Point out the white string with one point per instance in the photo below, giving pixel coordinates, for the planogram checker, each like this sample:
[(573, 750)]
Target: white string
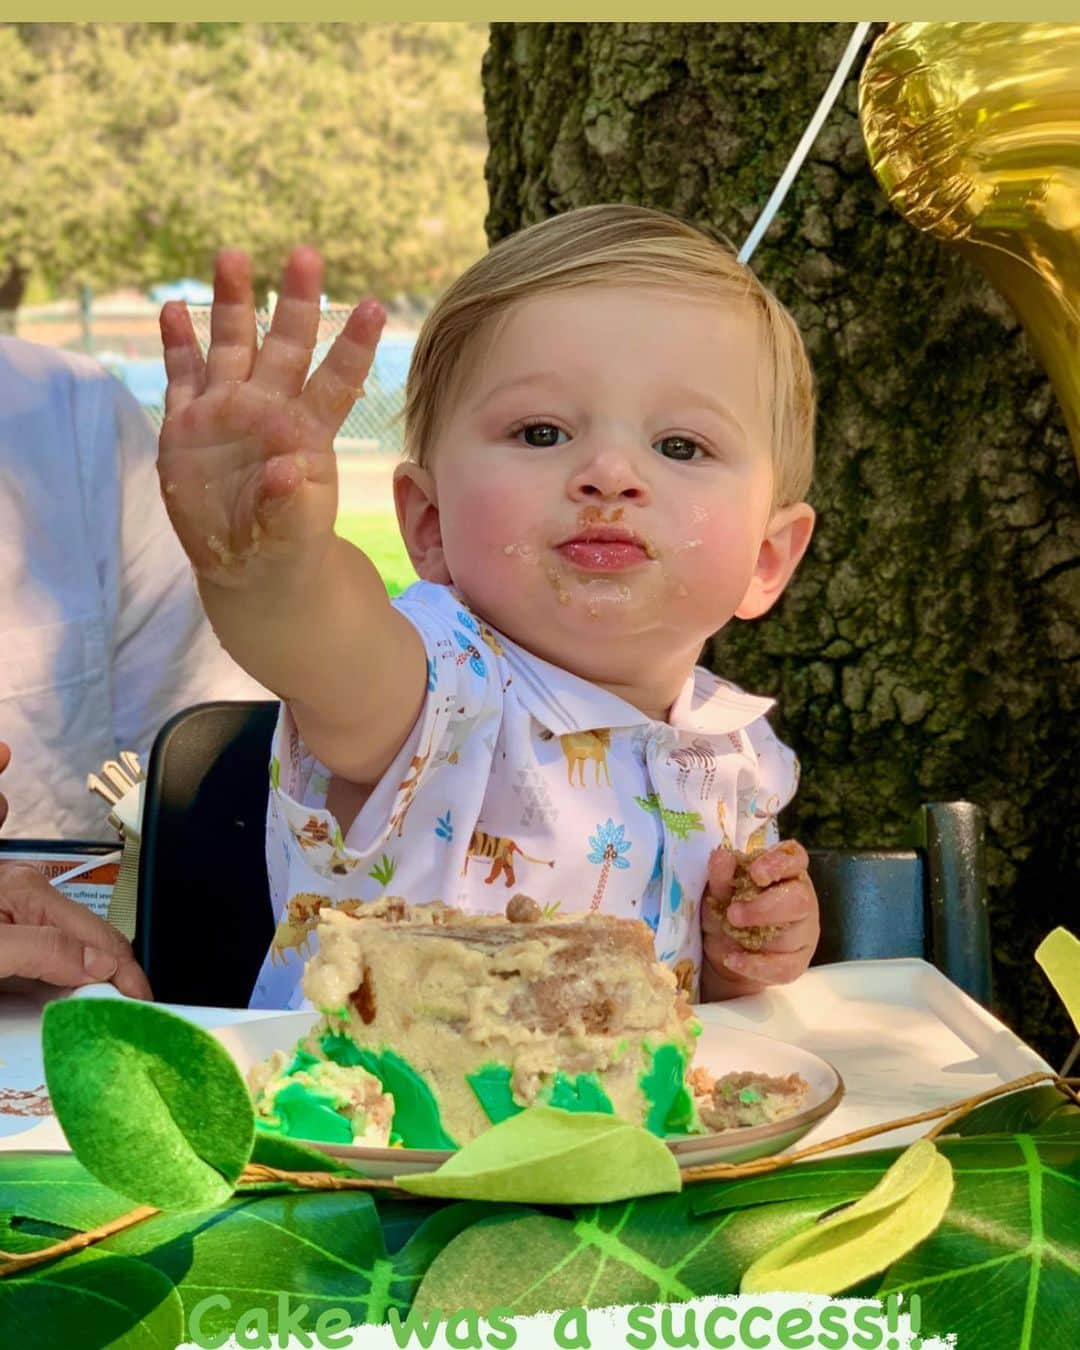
[(99, 861), (810, 135)]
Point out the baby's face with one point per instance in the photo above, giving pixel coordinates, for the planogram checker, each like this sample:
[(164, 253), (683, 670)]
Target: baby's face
[(603, 476)]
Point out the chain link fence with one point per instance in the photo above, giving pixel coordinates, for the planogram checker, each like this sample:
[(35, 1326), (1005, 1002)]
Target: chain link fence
[(374, 422)]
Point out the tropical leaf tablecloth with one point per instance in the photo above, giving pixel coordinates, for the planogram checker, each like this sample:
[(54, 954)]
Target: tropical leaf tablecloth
[(227, 1219), (1002, 1271)]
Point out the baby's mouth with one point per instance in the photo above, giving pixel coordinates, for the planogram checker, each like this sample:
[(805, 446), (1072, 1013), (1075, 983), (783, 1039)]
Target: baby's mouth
[(605, 548)]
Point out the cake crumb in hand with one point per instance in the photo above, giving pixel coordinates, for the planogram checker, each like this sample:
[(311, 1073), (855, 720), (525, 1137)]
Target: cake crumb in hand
[(743, 888)]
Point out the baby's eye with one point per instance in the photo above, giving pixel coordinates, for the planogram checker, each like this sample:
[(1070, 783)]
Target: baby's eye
[(541, 435), (678, 447)]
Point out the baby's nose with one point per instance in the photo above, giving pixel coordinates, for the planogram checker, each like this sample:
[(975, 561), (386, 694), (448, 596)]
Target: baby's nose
[(608, 476)]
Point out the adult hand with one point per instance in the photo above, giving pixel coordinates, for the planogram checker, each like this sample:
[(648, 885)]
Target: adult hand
[(5, 760), (784, 899), (246, 456), (45, 936)]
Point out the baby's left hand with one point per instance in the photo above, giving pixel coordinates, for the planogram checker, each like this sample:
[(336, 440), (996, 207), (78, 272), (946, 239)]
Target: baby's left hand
[(786, 899)]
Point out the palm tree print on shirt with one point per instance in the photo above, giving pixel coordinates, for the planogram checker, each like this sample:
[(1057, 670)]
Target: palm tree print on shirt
[(608, 845)]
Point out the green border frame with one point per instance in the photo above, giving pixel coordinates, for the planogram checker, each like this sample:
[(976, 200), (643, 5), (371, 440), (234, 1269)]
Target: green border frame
[(681, 11)]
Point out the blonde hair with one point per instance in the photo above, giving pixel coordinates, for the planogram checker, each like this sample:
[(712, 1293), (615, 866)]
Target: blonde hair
[(613, 245)]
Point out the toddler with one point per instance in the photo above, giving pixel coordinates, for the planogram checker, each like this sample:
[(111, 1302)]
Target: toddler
[(609, 433)]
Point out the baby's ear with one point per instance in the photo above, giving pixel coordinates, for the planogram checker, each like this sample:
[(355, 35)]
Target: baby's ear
[(417, 508), (786, 538)]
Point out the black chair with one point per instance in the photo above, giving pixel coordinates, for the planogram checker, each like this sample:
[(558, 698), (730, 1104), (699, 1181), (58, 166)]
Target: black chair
[(204, 921)]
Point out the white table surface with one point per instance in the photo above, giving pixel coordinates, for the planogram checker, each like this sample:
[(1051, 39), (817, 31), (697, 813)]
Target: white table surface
[(903, 1038)]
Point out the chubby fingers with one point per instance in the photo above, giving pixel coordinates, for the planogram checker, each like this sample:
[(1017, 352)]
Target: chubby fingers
[(760, 969), (779, 863), (284, 358), (339, 379), (784, 902), (721, 874), (185, 368), (784, 959), (232, 319)]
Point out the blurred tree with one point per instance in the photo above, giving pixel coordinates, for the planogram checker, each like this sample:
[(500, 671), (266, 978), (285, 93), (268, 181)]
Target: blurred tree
[(929, 647), (129, 153)]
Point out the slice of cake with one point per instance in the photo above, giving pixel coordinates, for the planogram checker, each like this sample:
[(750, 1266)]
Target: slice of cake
[(465, 1019)]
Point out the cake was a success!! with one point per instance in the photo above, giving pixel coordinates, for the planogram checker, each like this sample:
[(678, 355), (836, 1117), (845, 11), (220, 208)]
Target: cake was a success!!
[(436, 1024)]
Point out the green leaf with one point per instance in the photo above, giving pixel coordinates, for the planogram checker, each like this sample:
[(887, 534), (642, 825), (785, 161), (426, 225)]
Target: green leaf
[(151, 1105), (274, 1150), (55, 1190), (642, 1251), (1059, 956), (548, 1156), (1040, 1110), (905, 1206), (322, 1249), (838, 1180), (90, 1301), (1002, 1270), (999, 1269)]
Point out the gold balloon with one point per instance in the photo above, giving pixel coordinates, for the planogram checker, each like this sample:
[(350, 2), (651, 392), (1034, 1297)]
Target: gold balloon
[(973, 130)]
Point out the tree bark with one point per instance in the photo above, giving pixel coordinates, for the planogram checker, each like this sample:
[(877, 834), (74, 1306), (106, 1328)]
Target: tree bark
[(12, 290), (928, 647)]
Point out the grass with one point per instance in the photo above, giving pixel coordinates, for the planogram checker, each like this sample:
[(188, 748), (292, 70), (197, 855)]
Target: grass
[(376, 532)]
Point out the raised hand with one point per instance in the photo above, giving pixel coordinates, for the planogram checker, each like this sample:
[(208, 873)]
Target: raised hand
[(765, 932), (246, 454)]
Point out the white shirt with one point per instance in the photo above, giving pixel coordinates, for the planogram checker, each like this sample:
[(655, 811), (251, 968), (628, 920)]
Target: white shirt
[(521, 777), (102, 636)]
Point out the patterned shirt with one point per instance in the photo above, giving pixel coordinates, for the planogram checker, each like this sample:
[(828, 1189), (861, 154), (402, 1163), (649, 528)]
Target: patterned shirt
[(522, 777)]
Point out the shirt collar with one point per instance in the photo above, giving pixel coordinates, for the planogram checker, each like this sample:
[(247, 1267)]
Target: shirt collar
[(711, 705), (564, 703)]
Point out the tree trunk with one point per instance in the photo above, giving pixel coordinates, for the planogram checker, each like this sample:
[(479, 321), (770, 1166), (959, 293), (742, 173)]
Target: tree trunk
[(927, 649), (12, 289)]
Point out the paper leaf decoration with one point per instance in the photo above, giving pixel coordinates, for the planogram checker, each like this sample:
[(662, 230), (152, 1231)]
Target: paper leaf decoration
[(551, 1157), (1059, 956), (151, 1105), (274, 1150), (905, 1207)]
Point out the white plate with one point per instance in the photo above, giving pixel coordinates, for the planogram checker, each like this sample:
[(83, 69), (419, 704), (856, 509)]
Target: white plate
[(721, 1050)]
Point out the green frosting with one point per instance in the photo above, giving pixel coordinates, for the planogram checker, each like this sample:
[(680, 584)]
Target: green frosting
[(671, 1106), (492, 1087), (416, 1113), (342, 1050), (306, 1114), (418, 1124), (301, 1060), (582, 1093)]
